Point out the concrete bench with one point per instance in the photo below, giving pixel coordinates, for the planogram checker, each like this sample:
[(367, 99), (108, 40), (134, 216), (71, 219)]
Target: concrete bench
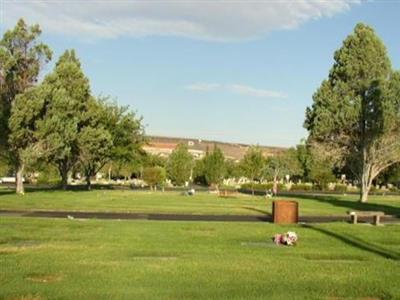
[(375, 214)]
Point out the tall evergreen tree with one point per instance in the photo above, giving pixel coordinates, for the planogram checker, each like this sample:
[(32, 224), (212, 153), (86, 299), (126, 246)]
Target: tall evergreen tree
[(355, 114), (22, 56), (66, 104)]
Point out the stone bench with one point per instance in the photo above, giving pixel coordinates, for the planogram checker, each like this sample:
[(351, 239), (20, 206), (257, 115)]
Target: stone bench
[(375, 214)]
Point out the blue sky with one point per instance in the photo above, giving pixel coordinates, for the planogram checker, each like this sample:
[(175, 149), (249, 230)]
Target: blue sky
[(235, 71)]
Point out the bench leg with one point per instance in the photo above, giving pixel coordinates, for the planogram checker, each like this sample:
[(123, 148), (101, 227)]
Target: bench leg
[(354, 219), (377, 220)]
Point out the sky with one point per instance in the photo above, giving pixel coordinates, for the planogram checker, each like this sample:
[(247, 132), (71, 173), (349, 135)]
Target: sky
[(234, 71)]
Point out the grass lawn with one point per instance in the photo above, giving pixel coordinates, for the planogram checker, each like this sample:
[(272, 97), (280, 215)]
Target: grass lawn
[(94, 259), (174, 202)]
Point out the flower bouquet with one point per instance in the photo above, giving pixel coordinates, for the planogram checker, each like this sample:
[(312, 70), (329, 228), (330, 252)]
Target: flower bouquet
[(288, 239)]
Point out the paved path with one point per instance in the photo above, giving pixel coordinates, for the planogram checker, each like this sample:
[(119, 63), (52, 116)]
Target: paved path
[(177, 217)]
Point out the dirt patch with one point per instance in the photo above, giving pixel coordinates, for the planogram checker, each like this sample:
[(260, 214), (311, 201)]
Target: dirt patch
[(155, 257), (258, 244), (334, 258), (26, 297), (43, 278)]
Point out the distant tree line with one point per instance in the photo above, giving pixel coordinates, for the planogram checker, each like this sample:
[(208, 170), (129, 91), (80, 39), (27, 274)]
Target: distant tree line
[(298, 164)]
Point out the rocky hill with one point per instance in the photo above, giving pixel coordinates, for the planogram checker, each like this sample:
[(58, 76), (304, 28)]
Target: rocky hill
[(165, 145)]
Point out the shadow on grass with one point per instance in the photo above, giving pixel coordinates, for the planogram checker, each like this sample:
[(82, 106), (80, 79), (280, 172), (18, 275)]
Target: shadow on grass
[(357, 243), (31, 188), (4, 192), (351, 204), (6, 189), (264, 212)]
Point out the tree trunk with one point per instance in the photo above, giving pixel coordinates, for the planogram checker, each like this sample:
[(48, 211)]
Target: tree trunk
[(64, 181), (366, 178), (19, 184), (365, 187), (88, 183), (364, 195), (252, 188), (275, 186), (64, 176)]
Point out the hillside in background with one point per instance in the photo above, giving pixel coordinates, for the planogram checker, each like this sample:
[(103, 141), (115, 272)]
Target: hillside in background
[(163, 146)]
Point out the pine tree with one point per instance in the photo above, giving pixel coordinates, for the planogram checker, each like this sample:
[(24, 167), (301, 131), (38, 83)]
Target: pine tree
[(355, 114), (22, 57)]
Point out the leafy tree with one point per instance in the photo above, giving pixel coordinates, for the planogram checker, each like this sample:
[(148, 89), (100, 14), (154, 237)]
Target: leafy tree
[(22, 57), (214, 167), (253, 164), (4, 167), (134, 166), (391, 175), (154, 176), (94, 145), (355, 114), (305, 159), (154, 160), (180, 165), (315, 166), (26, 113), (281, 165), (233, 169), (112, 133), (127, 133), (321, 172), (198, 172), (47, 173), (66, 102)]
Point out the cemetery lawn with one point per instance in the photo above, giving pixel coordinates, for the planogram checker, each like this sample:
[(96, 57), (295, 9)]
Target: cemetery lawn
[(175, 203), (94, 259)]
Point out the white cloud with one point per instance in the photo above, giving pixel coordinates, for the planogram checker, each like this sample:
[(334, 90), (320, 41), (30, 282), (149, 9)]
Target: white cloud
[(202, 87), (216, 20), (253, 92), (236, 89)]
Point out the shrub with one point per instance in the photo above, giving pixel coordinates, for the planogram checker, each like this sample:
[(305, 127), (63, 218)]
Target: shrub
[(46, 178), (342, 188), (154, 176), (262, 187), (302, 187)]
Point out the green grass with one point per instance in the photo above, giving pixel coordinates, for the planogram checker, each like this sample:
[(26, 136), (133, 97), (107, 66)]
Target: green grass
[(93, 259), (174, 202)]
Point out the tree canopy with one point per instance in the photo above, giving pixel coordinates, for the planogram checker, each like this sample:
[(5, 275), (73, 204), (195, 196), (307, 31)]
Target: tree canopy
[(278, 166), (214, 167), (253, 164), (180, 165), (66, 101)]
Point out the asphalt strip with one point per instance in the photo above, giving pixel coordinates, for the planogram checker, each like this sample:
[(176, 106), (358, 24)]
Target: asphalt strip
[(179, 217)]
